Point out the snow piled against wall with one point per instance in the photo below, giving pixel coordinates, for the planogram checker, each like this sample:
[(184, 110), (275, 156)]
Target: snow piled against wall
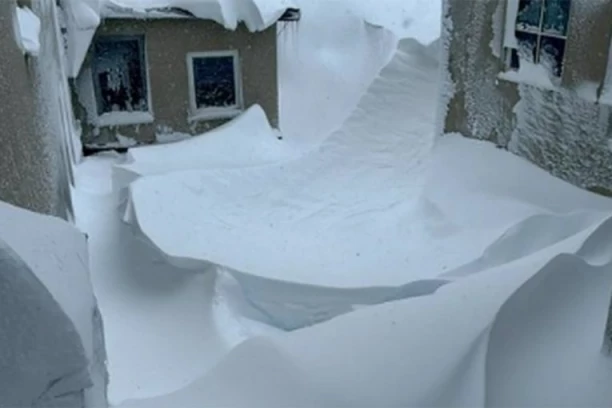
[(564, 134), (46, 297)]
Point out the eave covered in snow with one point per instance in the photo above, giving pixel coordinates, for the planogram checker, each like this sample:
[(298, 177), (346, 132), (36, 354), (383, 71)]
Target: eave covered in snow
[(84, 16)]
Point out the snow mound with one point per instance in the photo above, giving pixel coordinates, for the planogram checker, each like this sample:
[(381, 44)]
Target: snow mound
[(51, 336), (346, 225), (297, 209), (246, 141), (528, 332), (29, 31)]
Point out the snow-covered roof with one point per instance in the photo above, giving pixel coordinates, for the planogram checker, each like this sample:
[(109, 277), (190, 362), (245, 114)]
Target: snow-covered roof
[(84, 16)]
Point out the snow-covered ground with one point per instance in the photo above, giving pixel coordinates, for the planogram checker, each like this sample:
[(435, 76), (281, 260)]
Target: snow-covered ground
[(418, 272)]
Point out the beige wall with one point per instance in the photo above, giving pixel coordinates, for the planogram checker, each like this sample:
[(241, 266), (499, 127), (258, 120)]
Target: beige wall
[(168, 41), (28, 170), (557, 130)]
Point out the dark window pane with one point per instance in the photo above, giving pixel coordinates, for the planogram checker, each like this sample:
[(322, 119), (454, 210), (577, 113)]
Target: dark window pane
[(119, 75), (529, 14), (527, 46), (556, 16), (215, 82), (552, 51), (514, 59)]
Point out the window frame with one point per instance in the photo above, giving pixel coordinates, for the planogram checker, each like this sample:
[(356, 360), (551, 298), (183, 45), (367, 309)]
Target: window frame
[(211, 113), (123, 118), (511, 43)]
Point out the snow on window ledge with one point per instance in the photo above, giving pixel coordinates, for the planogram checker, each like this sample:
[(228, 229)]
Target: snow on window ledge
[(214, 113), (124, 119), (27, 27), (530, 74)]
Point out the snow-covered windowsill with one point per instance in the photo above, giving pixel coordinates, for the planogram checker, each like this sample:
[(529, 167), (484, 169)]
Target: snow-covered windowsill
[(530, 74), (124, 119), (214, 113)]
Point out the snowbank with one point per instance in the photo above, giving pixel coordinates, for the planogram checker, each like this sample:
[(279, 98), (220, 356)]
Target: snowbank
[(345, 225), (84, 16), (246, 141), (29, 31), (527, 332), (164, 326), (316, 204), (48, 300)]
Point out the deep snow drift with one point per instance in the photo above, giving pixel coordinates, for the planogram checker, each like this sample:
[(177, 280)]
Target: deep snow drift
[(164, 326), (521, 333), (51, 335), (336, 202), (246, 141)]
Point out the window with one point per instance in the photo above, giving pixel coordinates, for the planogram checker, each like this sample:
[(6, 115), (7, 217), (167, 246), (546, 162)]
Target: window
[(120, 78), (215, 84), (540, 33)]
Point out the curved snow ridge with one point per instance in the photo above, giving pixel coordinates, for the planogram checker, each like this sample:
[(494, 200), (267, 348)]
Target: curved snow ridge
[(539, 232), (290, 306), (246, 141), (525, 333)]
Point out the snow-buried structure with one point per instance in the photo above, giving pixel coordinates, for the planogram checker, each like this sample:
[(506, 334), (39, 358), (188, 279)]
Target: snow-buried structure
[(535, 80), (144, 69), (51, 337)]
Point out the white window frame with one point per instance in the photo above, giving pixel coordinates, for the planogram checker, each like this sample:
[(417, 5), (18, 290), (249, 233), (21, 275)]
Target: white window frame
[(198, 114), (123, 118)]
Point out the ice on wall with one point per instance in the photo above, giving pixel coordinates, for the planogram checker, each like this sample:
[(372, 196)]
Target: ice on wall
[(564, 134)]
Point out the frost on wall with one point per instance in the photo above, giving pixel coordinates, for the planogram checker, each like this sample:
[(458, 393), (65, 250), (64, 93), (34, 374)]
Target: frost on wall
[(484, 105), (447, 87), (53, 117), (564, 134)]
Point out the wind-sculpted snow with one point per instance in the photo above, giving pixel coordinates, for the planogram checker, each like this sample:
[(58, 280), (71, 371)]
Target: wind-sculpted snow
[(336, 219), (347, 225), (524, 332), (51, 341), (247, 141)]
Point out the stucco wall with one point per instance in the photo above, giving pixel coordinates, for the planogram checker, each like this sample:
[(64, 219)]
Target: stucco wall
[(26, 162), (167, 43), (558, 130)]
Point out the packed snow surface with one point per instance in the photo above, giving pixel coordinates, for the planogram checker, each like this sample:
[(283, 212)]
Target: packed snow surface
[(29, 30)]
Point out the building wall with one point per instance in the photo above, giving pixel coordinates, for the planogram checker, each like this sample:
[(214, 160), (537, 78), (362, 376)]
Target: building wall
[(27, 167), (564, 131), (167, 43)]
